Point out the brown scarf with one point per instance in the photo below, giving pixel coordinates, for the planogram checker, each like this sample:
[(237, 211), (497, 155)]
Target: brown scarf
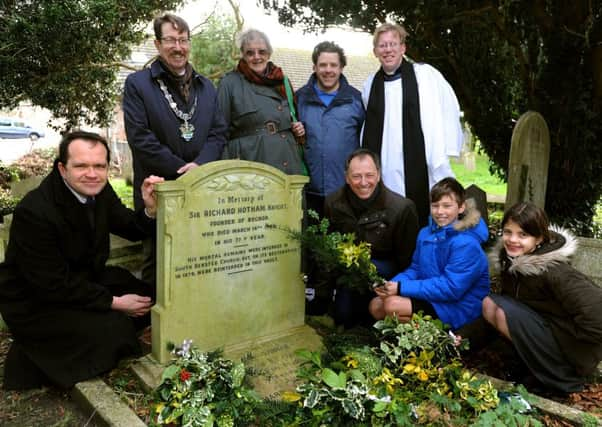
[(180, 83), (273, 76)]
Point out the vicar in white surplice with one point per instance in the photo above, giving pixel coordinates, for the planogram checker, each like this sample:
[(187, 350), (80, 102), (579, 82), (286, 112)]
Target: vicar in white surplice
[(412, 120)]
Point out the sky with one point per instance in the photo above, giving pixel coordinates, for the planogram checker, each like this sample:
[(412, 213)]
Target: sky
[(354, 43)]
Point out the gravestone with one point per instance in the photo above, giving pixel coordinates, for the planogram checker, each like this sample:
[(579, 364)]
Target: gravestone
[(228, 276), (529, 160), (588, 258), (480, 199), (468, 156), (122, 159)]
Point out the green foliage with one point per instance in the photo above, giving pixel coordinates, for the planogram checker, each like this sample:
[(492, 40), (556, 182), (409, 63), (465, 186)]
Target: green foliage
[(8, 174), (421, 334), (124, 191), (214, 50), (7, 202), (415, 379), (64, 55), (337, 255), (204, 389), (504, 58), (346, 385)]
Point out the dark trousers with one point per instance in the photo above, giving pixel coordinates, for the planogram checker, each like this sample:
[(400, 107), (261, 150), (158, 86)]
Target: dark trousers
[(62, 345)]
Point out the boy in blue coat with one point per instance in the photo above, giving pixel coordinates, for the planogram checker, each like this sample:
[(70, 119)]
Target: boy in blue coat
[(449, 275)]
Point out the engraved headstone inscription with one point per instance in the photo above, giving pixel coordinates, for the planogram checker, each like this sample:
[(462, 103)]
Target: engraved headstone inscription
[(228, 276)]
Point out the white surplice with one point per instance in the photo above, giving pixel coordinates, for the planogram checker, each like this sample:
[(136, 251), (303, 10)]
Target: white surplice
[(440, 122)]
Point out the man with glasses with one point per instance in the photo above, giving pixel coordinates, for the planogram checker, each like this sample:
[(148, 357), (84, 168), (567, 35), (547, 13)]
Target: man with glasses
[(171, 116), (412, 120), (377, 215)]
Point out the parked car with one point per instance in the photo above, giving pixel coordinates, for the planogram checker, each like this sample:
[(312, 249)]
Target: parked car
[(16, 128)]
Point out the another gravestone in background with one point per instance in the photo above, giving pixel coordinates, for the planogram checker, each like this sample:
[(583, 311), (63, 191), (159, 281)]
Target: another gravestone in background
[(588, 258), (480, 199), (228, 276), (529, 160), (468, 155), (121, 158)]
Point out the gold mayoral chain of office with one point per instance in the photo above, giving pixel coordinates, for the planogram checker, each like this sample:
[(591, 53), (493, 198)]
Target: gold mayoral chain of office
[(186, 129)]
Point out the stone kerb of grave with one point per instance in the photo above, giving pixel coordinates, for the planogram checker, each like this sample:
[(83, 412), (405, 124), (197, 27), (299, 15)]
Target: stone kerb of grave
[(529, 161), (228, 276)]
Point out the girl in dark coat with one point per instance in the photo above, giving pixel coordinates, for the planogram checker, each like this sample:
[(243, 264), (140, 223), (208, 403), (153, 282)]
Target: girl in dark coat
[(547, 309)]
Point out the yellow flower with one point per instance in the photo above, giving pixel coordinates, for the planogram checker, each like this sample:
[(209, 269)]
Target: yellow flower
[(291, 396), (409, 368), (387, 378), (159, 408), (350, 362), (423, 376)]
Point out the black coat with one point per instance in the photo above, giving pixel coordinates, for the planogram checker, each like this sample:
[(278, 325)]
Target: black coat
[(55, 291), (389, 224), (153, 130)]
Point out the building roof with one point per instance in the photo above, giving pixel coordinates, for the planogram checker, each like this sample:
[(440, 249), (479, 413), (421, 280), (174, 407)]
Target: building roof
[(141, 55), (297, 65)]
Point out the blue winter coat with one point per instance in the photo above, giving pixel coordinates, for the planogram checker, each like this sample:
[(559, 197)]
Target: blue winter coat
[(450, 269), (332, 133)]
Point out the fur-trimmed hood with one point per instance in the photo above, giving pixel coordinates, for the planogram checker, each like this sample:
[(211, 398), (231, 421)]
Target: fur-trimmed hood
[(471, 216), (470, 223), (563, 245)]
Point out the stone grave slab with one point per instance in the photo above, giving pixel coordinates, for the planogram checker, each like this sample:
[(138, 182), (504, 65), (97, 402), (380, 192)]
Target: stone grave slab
[(529, 161), (228, 276), (272, 358)]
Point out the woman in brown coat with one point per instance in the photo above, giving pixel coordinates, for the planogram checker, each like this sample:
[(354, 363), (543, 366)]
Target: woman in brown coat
[(550, 311)]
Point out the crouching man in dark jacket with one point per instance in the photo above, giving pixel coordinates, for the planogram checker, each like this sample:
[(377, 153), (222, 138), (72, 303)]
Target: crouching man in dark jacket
[(376, 215), (71, 316)]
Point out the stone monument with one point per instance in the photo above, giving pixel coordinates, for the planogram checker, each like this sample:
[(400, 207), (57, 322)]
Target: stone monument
[(228, 276), (529, 160)]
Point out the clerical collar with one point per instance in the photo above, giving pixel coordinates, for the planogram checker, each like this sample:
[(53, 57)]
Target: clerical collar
[(82, 199), (396, 75)]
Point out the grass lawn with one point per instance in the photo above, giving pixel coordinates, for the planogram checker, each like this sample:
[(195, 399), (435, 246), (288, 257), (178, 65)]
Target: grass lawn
[(480, 176), (125, 192)]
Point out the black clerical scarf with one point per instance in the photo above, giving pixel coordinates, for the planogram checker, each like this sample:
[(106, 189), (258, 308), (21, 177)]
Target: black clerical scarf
[(414, 156)]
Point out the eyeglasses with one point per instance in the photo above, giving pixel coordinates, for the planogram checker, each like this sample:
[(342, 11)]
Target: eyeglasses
[(252, 52), (171, 41), (391, 45)]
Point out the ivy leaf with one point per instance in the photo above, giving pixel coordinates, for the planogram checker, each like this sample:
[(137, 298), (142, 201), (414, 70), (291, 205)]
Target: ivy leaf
[(170, 372), (333, 380), (354, 408), (238, 374), (312, 399), (379, 406), (310, 356)]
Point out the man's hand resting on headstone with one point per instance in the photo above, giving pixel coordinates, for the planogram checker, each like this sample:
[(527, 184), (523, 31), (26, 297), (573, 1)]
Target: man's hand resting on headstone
[(148, 194), (131, 304)]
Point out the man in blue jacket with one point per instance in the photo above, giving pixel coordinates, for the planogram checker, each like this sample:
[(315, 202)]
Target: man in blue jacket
[(171, 116), (333, 115)]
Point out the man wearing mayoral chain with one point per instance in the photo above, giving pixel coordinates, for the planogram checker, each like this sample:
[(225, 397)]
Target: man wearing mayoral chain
[(171, 116)]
